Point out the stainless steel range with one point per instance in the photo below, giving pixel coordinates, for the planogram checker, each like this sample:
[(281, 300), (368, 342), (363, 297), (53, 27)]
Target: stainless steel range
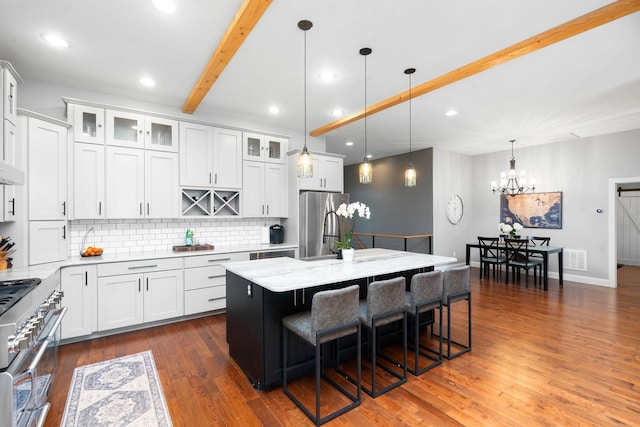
[(30, 317)]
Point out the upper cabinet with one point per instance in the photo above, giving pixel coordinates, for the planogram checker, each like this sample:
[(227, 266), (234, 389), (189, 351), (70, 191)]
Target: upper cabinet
[(88, 124), (328, 172), (133, 130), (263, 148), (9, 79), (210, 157)]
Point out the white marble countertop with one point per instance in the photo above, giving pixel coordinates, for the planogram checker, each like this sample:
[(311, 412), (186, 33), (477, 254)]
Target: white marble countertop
[(42, 271), (287, 274)]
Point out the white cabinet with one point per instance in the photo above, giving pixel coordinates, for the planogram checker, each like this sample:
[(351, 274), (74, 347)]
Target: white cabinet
[(152, 290), (47, 241), (257, 147), (141, 184), (210, 157), (133, 130), (205, 281), (264, 190), (9, 80), (88, 181), (328, 173), (88, 123), (79, 285), (8, 192), (47, 164)]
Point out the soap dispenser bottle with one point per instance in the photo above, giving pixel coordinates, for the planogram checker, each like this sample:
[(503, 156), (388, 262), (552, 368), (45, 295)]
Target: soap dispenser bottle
[(188, 238)]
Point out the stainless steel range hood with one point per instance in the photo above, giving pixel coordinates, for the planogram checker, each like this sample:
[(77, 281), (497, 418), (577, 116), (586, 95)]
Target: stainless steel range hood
[(10, 175)]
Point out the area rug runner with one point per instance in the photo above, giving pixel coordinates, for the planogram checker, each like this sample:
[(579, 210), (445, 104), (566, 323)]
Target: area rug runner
[(120, 392)]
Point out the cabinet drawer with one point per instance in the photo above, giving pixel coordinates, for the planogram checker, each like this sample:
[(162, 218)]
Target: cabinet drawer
[(206, 299), (141, 266), (204, 277), (214, 259)]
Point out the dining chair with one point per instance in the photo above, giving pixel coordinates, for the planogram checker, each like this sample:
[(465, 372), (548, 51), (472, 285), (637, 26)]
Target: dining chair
[(519, 257), (491, 254), (333, 315), (539, 241)]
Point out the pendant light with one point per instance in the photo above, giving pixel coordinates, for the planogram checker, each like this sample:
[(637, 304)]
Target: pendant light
[(366, 171), (410, 172), (305, 164)]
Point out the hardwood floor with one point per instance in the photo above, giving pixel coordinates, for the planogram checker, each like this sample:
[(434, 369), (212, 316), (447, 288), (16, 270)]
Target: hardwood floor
[(569, 356)]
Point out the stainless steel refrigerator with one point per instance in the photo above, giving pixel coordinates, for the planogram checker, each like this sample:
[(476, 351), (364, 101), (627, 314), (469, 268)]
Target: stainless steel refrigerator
[(319, 223)]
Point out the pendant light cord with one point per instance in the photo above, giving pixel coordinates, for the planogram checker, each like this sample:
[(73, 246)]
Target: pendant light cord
[(365, 108), (409, 118), (305, 90)]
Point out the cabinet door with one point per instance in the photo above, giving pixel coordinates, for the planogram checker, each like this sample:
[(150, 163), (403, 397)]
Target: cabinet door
[(79, 286), (88, 181), (10, 96), (88, 124), (274, 149), (8, 193), (196, 155), (161, 185), (316, 182), (161, 134), (252, 146), (124, 182), (125, 129), (120, 301), (275, 191), (252, 189), (47, 159), (47, 241), (227, 158), (332, 172), (163, 295)]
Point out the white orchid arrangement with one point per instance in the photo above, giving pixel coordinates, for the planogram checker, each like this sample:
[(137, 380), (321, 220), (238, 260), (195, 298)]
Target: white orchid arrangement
[(509, 229), (349, 212)]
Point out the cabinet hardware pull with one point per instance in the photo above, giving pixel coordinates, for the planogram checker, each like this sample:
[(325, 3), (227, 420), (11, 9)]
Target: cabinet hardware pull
[(13, 206), (99, 125), (137, 267), (86, 278), (267, 209), (64, 208), (139, 285), (219, 259), (99, 208), (140, 208), (211, 299), (216, 178), (147, 284), (64, 232), (209, 177), (147, 208), (262, 209)]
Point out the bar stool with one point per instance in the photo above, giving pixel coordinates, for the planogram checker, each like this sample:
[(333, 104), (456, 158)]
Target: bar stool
[(334, 314), (425, 295), (384, 304), (455, 287)]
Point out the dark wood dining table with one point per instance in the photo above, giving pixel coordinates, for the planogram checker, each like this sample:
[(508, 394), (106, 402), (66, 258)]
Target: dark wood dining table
[(545, 251)]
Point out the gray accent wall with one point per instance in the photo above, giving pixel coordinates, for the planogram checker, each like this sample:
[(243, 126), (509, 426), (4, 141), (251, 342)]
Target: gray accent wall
[(395, 209)]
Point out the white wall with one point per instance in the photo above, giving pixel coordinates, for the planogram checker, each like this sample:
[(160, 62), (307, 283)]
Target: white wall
[(581, 169), (452, 175)]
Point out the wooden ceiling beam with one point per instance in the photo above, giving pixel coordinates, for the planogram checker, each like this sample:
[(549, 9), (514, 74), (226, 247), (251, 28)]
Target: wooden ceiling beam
[(247, 17), (604, 15)]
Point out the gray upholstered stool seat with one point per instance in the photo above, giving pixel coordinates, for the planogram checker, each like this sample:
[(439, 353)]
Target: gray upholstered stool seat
[(333, 315), (424, 296), (455, 287), (384, 305)]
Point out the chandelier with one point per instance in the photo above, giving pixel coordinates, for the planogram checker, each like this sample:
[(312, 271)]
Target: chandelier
[(512, 183)]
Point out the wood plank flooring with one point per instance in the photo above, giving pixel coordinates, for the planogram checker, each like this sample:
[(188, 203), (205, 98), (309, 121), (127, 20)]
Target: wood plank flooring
[(569, 356)]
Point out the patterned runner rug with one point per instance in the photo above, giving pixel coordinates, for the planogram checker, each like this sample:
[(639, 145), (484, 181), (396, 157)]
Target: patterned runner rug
[(120, 392)]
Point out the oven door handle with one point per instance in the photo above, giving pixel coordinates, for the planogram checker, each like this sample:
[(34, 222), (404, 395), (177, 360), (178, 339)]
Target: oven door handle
[(44, 410), (30, 371), (59, 314)]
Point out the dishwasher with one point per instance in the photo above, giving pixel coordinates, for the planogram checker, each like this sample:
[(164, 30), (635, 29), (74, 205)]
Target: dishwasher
[(291, 253)]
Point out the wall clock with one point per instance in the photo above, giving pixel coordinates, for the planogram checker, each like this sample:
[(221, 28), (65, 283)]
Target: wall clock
[(454, 209)]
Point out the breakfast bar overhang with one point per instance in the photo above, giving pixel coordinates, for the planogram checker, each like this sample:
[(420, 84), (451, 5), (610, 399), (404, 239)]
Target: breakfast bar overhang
[(261, 292)]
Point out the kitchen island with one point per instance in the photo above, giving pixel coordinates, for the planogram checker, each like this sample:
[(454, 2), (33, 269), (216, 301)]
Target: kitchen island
[(261, 292)]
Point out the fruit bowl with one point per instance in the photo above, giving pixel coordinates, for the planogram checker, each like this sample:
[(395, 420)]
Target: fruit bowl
[(91, 251)]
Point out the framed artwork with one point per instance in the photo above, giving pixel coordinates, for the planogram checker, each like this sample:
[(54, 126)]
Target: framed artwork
[(532, 210)]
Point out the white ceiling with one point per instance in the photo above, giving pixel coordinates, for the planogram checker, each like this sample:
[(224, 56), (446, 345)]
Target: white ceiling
[(586, 85)]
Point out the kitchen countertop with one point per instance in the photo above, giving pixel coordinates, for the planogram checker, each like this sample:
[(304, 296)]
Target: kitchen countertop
[(44, 271), (287, 274)]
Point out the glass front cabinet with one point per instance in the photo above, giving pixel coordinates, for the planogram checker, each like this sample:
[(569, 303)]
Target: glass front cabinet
[(132, 130), (263, 148)]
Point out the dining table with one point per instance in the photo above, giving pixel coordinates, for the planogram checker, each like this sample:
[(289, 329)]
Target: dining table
[(543, 250)]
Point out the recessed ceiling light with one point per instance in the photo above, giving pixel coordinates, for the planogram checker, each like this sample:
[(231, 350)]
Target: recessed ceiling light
[(369, 156), (274, 109), (166, 6), (147, 81), (451, 113), (348, 143), (337, 112), (327, 76), (55, 40)]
